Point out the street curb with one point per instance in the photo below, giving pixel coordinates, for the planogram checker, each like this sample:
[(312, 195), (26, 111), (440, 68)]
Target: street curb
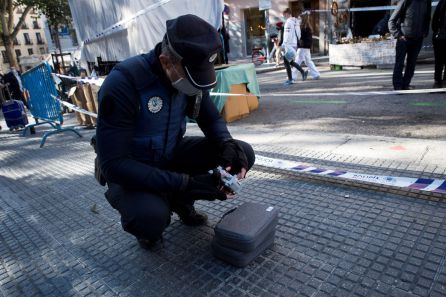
[(306, 176)]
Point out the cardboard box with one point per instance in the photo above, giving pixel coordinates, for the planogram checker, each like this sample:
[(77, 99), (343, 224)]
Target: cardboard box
[(236, 107), (94, 92), (253, 102), (89, 101), (79, 100)]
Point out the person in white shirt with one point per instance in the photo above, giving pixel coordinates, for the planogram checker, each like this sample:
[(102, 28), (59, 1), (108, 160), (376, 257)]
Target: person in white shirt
[(291, 37), (306, 41)]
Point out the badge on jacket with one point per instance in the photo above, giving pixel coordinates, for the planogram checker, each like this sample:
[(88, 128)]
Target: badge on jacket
[(155, 104)]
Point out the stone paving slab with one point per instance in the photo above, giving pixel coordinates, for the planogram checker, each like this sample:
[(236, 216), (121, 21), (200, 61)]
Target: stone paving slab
[(331, 240)]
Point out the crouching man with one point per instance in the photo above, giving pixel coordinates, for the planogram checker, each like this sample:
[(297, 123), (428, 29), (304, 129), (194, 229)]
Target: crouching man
[(150, 168)]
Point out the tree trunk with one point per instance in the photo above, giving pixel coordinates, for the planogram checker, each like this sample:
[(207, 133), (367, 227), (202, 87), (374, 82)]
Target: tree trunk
[(55, 35), (10, 52), (8, 41), (59, 46), (9, 32)]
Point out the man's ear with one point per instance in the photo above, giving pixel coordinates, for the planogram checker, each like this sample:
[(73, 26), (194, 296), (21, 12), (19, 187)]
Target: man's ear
[(165, 64), (164, 60)]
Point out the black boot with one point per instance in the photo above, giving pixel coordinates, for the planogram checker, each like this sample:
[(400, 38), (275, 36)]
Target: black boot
[(189, 216), (148, 244)]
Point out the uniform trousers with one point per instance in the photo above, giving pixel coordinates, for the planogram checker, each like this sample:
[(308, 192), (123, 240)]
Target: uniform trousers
[(146, 214)]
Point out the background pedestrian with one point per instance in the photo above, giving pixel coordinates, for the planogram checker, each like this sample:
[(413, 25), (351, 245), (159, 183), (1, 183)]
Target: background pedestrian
[(439, 42), (305, 43), (409, 24), (291, 38)]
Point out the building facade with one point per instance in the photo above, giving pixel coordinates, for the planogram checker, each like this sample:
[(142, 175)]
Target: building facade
[(67, 38), (246, 24), (30, 44)]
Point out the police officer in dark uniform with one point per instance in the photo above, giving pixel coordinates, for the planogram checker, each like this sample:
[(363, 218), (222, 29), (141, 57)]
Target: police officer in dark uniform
[(150, 168)]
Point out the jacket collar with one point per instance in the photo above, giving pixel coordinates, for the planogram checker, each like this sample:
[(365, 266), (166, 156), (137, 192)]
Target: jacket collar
[(155, 67)]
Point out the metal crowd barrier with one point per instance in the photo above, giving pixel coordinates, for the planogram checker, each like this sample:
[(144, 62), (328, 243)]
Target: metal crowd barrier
[(43, 107)]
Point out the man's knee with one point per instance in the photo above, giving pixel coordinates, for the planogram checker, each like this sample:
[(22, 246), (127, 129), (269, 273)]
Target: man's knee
[(147, 223), (144, 215), (249, 152)]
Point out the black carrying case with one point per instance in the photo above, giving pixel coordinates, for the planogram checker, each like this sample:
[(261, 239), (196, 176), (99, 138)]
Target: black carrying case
[(244, 233)]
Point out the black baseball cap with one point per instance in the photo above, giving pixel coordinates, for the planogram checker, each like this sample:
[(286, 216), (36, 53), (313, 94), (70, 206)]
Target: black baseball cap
[(196, 43)]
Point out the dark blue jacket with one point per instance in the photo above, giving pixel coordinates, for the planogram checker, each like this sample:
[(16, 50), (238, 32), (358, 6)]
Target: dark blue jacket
[(140, 121), (439, 20)]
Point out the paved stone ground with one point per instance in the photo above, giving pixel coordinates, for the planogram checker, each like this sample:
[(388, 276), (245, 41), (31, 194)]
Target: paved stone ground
[(59, 237)]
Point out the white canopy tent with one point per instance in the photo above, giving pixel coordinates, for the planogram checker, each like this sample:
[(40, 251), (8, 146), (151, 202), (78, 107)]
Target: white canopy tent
[(118, 29)]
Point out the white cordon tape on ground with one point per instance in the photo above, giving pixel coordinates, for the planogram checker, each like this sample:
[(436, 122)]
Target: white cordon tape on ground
[(98, 81), (367, 93), (423, 184), (91, 80), (76, 108)]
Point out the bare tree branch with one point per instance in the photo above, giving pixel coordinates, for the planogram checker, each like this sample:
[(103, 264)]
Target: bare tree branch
[(3, 6), (21, 21), (4, 24), (56, 12), (10, 16)]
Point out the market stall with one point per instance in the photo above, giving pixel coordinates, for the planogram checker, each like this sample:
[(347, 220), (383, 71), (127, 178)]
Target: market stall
[(116, 30), (360, 34), (363, 52), (240, 80)]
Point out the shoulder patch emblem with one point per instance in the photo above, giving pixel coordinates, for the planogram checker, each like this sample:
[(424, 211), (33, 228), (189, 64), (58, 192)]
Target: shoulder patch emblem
[(155, 104)]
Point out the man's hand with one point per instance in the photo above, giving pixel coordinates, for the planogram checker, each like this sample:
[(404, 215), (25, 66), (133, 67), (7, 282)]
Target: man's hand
[(233, 158), (402, 38), (240, 175), (206, 187)]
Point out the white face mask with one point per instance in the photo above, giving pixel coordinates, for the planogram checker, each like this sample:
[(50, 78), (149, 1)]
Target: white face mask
[(183, 85)]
